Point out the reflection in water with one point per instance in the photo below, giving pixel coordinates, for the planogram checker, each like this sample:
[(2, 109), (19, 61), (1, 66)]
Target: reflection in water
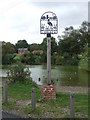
[(60, 75)]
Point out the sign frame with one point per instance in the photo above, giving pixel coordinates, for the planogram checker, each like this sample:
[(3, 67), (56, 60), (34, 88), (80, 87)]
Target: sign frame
[(48, 23)]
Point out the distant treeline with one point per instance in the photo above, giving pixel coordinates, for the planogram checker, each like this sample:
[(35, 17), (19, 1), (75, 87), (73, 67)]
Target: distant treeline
[(69, 49)]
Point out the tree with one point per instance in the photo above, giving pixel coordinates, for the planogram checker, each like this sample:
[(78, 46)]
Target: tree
[(34, 47), (84, 37), (44, 48), (73, 41), (7, 48), (44, 45), (84, 61), (69, 42), (37, 59), (21, 44), (53, 45), (8, 51)]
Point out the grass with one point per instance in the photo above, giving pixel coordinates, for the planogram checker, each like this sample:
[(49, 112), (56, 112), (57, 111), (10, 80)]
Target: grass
[(35, 113), (20, 93), (9, 105)]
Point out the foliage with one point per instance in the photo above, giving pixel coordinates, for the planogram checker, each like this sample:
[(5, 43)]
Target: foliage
[(8, 51), (53, 45), (17, 58), (25, 58), (7, 48), (21, 44), (84, 61), (28, 58), (18, 72), (72, 42), (44, 58), (34, 47), (8, 59), (53, 50), (58, 61), (70, 45), (37, 59)]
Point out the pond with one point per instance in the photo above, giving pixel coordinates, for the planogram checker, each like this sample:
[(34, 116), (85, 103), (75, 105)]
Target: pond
[(60, 75)]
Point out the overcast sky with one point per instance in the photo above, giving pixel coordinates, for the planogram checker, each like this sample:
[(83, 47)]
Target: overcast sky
[(20, 19)]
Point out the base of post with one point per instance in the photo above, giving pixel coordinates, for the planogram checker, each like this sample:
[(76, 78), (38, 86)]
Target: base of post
[(49, 92)]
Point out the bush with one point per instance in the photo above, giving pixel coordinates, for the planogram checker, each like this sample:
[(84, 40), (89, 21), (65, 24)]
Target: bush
[(18, 72), (7, 59), (84, 62), (17, 58)]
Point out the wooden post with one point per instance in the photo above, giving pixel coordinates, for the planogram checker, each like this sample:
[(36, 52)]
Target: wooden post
[(48, 59), (72, 95), (33, 99), (5, 91)]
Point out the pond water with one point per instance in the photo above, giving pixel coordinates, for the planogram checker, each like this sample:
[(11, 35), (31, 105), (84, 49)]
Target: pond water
[(60, 75)]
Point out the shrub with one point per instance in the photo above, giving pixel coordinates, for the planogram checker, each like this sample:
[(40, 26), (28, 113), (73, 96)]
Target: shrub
[(17, 58), (84, 62), (18, 72)]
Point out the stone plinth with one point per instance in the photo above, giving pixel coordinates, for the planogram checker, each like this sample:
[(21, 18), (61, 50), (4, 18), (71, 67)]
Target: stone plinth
[(49, 92)]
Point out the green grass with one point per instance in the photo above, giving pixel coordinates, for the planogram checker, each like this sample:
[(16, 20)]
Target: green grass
[(81, 105), (36, 112), (60, 107), (9, 105), (22, 91)]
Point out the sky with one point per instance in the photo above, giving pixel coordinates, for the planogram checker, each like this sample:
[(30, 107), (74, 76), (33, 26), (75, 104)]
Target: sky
[(20, 19)]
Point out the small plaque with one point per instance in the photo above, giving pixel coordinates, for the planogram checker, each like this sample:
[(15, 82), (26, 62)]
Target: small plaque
[(49, 23)]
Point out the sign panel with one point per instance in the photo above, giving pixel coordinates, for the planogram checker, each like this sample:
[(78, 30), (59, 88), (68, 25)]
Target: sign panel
[(49, 23)]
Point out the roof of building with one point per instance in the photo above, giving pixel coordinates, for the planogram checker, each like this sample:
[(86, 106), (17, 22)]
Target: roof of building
[(37, 51), (22, 48)]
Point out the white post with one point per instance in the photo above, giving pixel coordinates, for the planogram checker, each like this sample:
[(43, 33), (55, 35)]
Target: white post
[(48, 59)]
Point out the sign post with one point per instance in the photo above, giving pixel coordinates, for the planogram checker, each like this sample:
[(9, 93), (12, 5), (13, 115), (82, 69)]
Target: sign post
[(48, 26), (48, 59)]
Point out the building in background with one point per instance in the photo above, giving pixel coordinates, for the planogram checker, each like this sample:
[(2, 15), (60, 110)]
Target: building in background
[(22, 51), (37, 51)]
